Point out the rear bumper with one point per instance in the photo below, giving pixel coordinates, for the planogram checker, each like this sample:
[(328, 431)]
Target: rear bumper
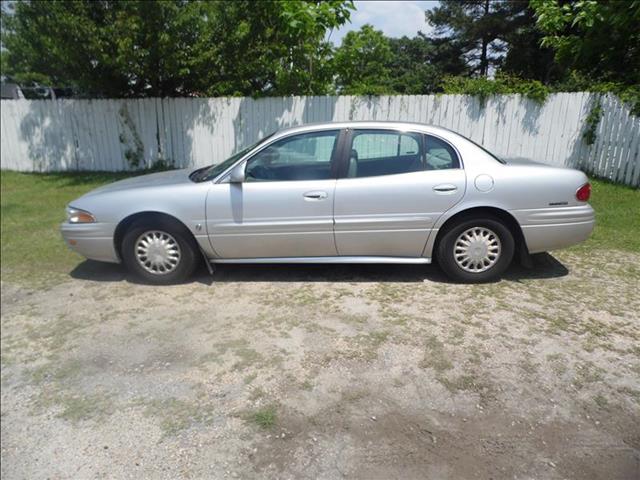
[(547, 229), (91, 240)]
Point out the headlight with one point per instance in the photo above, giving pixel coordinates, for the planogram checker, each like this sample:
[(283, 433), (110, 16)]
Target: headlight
[(75, 215)]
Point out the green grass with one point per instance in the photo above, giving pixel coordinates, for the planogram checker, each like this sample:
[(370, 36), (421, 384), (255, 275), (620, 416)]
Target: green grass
[(32, 207), (265, 417), (617, 217)]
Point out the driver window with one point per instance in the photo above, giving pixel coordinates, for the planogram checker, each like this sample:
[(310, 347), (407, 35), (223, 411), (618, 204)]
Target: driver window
[(300, 157)]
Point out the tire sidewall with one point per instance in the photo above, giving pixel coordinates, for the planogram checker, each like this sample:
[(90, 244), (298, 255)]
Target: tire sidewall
[(185, 267), (446, 249)]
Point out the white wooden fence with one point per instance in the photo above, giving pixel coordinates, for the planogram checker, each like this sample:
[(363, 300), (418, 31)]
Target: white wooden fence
[(44, 135)]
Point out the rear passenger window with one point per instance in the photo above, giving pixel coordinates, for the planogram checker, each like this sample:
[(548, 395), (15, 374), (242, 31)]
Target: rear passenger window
[(409, 145), (439, 154), (384, 152)]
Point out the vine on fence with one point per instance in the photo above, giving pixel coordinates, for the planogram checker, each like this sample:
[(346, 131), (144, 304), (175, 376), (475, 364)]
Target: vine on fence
[(592, 121), (135, 154), (503, 84)]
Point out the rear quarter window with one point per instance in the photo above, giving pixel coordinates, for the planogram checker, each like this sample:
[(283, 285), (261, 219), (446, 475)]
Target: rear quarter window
[(439, 154)]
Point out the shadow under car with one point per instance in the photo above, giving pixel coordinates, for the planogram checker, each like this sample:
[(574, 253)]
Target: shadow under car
[(544, 266)]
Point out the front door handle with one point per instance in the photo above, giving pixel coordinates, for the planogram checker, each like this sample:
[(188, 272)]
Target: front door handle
[(316, 195), (447, 187)]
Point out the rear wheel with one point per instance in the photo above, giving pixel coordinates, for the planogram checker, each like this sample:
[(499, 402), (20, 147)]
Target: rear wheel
[(476, 250), (159, 252)]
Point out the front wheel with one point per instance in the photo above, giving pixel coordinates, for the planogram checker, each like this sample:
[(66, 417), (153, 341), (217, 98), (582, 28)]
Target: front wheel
[(476, 250), (159, 253)]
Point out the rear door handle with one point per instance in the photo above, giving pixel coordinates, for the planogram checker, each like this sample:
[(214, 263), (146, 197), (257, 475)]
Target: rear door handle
[(316, 195), (447, 187)]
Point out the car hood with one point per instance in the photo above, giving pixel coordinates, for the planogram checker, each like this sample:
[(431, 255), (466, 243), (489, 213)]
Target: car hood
[(172, 177)]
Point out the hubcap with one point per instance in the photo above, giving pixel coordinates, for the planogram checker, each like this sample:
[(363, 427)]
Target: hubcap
[(157, 252), (477, 249)]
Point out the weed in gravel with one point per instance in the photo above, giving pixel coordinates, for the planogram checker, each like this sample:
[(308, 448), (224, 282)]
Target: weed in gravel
[(468, 382), (435, 355), (84, 407), (456, 335), (74, 407), (556, 324), (587, 373), (632, 393), (175, 415), (247, 357), (55, 334), (528, 365), (388, 293), (304, 296), (250, 378), (256, 394), (357, 319), (56, 371), (265, 417), (558, 363), (601, 401)]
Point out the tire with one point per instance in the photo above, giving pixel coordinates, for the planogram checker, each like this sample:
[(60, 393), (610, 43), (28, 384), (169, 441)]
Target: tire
[(491, 249), (159, 252)]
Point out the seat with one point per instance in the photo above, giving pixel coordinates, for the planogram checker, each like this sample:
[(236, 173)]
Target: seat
[(353, 164)]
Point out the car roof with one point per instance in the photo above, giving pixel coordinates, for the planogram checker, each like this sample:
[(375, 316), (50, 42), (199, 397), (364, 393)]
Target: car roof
[(311, 127)]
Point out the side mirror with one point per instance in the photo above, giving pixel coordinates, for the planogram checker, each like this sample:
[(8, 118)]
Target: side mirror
[(237, 174)]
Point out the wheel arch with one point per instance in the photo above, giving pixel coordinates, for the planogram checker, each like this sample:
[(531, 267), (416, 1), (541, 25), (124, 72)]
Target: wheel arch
[(478, 212), (150, 215)]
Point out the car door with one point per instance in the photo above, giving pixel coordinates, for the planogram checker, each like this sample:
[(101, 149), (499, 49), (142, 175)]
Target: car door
[(393, 187), (284, 207)]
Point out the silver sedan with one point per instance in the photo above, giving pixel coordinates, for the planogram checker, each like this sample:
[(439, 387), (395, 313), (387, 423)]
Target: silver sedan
[(356, 192)]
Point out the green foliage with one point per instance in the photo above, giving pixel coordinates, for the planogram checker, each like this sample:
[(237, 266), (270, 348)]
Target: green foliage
[(576, 81), (502, 84), (600, 39), (592, 121), (362, 63), (139, 48), (172, 47), (265, 417), (418, 64), (485, 30)]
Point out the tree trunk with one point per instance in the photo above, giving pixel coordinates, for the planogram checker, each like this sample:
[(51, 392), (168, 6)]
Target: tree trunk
[(484, 64), (484, 67)]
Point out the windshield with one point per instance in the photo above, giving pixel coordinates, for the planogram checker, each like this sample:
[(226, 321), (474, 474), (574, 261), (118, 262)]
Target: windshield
[(212, 171)]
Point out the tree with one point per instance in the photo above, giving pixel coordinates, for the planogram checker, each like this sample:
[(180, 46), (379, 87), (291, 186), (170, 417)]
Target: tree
[(418, 64), (362, 63), (525, 56), (487, 31), (172, 47), (600, 40), (271, 47)]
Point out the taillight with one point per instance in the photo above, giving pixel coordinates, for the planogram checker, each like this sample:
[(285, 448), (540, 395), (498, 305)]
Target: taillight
[(584, 192)]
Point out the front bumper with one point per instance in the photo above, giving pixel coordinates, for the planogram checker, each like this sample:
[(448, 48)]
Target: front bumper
[(547, 229), (91, 240)]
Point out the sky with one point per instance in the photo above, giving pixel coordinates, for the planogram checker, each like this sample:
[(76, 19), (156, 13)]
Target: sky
[(394, 18)]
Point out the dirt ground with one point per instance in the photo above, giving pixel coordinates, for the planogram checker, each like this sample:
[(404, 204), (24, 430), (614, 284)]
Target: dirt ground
[(370, 372)]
